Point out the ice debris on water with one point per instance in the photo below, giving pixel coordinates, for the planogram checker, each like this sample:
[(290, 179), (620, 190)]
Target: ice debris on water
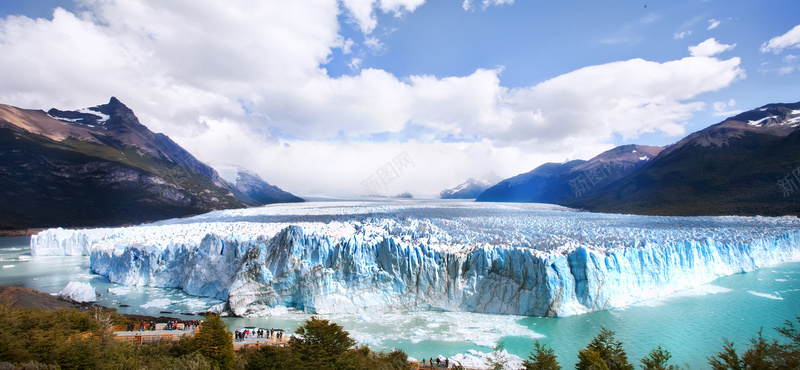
[(78, 292), (365, 257)]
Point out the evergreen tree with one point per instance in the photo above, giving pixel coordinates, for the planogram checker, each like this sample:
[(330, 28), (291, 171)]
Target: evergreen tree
[(215, 342), (727, 359), (497, 360), (542, 358), (657, 360), (762, 354), (606, 348), (589, 359), (790, 352), (274, 358), (320, 343)]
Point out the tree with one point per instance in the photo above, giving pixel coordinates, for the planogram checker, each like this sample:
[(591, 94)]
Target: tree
[(497, 359), (761, 355), (215, 342), (273, 358), (791, 350), (589, 359), (320, 343), (727, 359), (657, 360), (542, 358), (606, 348)]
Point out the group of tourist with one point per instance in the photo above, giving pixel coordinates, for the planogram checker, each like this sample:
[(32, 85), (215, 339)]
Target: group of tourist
[(437, 362), (170, 325), (142, 326), (260, 333)]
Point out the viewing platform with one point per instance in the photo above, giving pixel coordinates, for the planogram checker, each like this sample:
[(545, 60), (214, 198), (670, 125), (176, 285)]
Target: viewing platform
[(148, 336), (161, 333)]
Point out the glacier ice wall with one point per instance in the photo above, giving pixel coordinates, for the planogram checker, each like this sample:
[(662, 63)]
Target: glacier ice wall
[(378, 257)]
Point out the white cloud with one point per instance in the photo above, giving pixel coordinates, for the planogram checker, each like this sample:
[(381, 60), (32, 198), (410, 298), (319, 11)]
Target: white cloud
[(724, 108), (789, 40), (362, 11), (627, 98), (790, 64), (245, 86), (355, 64), (485, 4), (347, 46), (398, 7), (713, 23), (374, 43), (709, 48), (681, 35)]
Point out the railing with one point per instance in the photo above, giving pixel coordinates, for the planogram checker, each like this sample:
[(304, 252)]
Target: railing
[(148, 338), (417, 366), (237, 346)]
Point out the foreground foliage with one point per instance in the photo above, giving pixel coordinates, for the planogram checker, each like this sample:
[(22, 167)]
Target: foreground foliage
[(71, 339), (603, 352), (763, 353), (321, 344), (215, 342), (542, 358)]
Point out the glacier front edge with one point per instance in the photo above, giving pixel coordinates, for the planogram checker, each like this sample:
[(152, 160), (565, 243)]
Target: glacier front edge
[(349, 257)]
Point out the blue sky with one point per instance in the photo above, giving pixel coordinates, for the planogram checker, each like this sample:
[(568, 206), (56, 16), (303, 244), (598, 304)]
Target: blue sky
[(318, 95)]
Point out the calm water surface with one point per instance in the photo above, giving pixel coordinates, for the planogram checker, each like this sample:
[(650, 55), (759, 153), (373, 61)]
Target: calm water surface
[(691, 324)]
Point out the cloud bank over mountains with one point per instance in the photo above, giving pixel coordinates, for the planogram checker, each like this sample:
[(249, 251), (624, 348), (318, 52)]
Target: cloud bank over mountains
[(246, 83)]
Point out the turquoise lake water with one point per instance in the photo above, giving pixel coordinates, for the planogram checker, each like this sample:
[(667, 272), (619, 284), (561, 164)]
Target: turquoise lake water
[(691, 325)]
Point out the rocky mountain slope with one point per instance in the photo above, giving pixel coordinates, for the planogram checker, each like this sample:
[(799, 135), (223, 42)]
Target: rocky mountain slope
[(252, 190), (745, 165), (97, 166), (471, 188), (748, 164), (562, 182)]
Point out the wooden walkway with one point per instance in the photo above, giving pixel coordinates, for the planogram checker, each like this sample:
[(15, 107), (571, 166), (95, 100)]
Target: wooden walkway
[(417, 366), (149, 336)]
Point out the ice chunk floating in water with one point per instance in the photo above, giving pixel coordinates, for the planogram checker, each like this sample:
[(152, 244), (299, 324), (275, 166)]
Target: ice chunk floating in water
[(350, 257), (78, 292)]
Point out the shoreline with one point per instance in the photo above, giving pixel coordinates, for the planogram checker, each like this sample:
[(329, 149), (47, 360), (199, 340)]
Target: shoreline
[(18, 297)]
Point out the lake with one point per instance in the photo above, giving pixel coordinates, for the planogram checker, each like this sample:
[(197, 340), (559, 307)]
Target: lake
[(690, 324)]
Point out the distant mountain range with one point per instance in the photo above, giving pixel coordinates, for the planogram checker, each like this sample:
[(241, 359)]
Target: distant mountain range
[(254, 191), (471, 188), (748, 164), (100, 166)]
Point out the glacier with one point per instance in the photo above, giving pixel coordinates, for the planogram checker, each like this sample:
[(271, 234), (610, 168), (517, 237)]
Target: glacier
[(389, 256)]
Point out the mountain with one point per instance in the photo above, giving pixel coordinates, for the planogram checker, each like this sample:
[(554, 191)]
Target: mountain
[(527, 186), (95, 167), (471, 188), (748, 164), (561, 182), (252, 190)]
